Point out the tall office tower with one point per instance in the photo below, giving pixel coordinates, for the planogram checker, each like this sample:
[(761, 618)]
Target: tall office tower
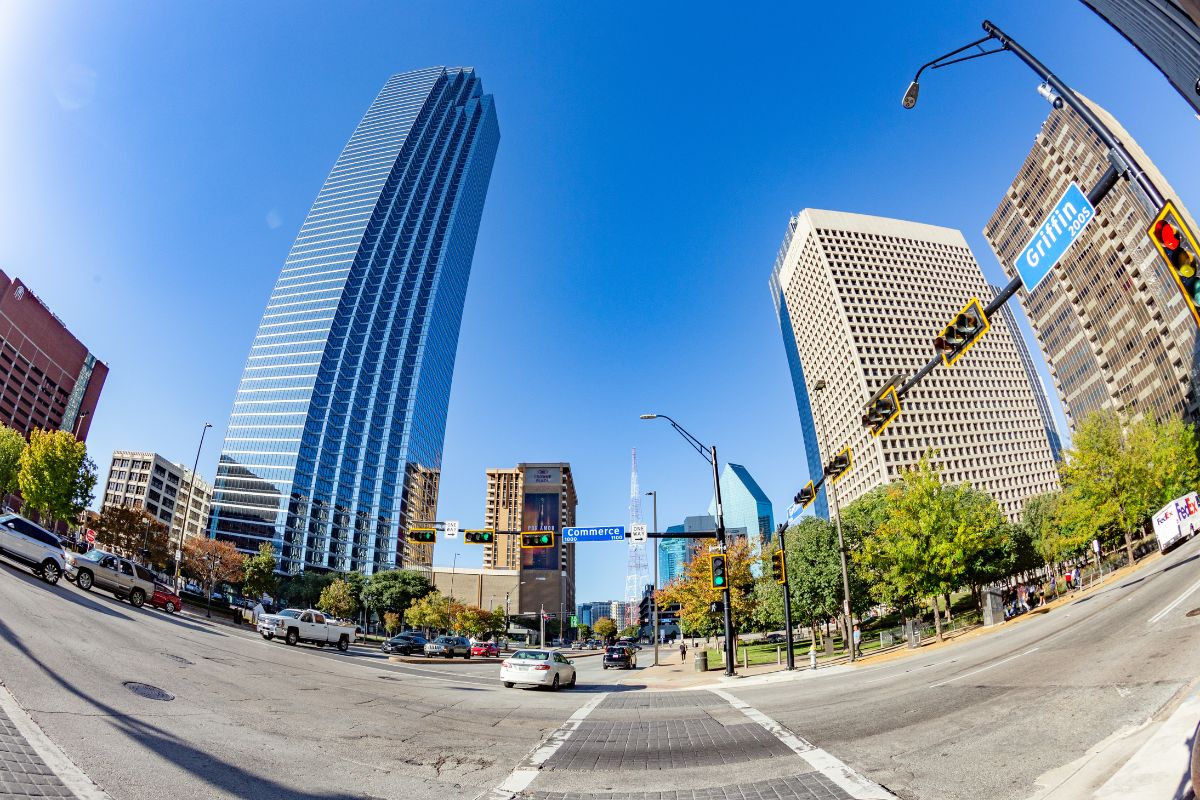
[(864, 299), (1109, 317), (1165, 31), (1035, 380), (672, 557), (533, 497), (48, 379), (335, 441), (745, 505), (166, 491)]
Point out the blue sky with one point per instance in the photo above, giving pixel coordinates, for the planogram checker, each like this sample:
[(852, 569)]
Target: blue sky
[(159, 157)]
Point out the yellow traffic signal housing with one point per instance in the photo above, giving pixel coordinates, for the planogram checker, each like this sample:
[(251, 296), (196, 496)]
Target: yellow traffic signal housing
[(779, 566), (422, 535), (479, 537), (840, 464), (967, 328), (717, 564), (805, 496), (882, 410), (1176, 243), (537, 539)]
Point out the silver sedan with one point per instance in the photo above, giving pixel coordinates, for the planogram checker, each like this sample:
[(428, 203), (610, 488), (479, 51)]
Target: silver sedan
[(537, 668)]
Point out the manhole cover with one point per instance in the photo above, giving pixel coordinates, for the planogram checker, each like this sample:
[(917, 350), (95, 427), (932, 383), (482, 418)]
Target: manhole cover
[(1195, 612), (148, 691)]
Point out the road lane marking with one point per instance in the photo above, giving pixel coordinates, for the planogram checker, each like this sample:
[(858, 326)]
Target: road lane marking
[(983, 669), (853, 783), (1174, 603), (63, 767), (520, 778)]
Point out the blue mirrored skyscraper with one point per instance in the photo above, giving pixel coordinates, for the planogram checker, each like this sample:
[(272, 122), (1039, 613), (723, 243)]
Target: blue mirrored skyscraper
[(335, 440)]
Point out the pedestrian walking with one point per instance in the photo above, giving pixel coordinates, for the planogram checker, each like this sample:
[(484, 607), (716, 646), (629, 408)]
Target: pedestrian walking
[(857, 642), (682, 652)]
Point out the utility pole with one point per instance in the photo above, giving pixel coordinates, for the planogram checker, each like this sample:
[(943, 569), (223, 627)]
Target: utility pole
[(542, 624), (820, 386), (654, 577), (186, 511)]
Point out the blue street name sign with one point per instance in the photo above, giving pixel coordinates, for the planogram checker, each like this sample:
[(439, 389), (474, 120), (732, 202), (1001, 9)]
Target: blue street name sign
[(1054, 236), (793, 514), (614, 534)]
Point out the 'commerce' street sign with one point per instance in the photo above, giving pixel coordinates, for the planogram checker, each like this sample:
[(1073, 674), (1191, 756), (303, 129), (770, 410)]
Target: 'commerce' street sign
[(613, 534)]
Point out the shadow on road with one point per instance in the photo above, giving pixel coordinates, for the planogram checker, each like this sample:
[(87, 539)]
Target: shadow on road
[(1181, 562), (66, 592), (203, 764)]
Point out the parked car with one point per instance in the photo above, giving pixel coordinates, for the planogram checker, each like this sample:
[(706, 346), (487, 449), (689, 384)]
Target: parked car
[(774, 638), (165, 598), (32, 545), (485, 650), (537, 667), (126, 580), (294, 626), (448, 647), (620, 655), (404, 644)]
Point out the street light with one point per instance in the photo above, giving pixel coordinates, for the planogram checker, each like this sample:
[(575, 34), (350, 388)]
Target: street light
[(188, 509), (820, 386), (710, 455), (79, 422), (654, 579)]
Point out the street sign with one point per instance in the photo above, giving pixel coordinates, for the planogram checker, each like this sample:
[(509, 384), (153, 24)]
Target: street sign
[(91, 536), (1051, 240), (614, 534), (450, 528), (793, 514), (574, 621), (637, 532)]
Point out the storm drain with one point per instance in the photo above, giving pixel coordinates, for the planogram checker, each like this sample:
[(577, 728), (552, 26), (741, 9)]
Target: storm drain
[(147, 691), (1195, 612)]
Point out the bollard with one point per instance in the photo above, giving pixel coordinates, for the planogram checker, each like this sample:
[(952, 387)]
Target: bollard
[(745, 658), (701, 661), (812, 656), (778, 655)]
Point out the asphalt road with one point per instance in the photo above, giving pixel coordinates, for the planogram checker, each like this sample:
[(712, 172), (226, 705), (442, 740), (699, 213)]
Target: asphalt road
[(982, 718)]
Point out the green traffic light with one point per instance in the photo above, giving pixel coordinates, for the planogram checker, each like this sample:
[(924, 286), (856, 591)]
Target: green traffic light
[(719, 581)]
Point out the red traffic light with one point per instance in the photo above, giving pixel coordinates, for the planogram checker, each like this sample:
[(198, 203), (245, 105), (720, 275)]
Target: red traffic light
[(1165, 232)]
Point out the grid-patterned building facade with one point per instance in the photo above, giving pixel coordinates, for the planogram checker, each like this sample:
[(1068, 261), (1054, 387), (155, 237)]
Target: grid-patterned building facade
[(1109, 317), (865, 297), (149, 482), (1035, 380), (336, 434)]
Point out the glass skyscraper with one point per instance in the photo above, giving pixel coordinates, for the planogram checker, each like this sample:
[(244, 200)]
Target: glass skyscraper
[(335, 440)]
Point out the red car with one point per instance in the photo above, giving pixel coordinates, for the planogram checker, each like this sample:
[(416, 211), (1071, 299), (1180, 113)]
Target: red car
[(165, 599), (485, 649)]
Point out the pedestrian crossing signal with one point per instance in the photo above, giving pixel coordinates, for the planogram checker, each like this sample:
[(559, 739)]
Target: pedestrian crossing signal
[(423, 535), (479, 537), (1176, 244), (537, 539), (720, 578)]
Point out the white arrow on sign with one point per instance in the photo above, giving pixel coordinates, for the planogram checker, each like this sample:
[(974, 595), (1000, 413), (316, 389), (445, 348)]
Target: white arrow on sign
[(450, 528), (637, 532)]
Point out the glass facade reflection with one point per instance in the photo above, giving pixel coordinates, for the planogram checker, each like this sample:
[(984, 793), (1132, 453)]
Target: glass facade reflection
[(335, 440)]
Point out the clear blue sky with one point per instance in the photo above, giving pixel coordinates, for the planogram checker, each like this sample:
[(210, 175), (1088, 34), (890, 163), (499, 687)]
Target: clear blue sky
[(157, 159)]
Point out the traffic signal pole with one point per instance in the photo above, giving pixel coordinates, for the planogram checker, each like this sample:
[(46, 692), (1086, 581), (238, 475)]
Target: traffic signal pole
[(726, 598), (787, 600)]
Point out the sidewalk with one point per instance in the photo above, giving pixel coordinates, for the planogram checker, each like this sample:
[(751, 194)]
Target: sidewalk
[(31, 765)]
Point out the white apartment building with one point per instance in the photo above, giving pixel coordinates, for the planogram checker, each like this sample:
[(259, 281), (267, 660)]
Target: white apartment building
[(862, 298), (150, 482)]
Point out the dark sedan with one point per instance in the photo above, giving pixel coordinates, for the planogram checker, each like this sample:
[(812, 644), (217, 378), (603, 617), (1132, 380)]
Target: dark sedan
[(404, 644), (621, 655)]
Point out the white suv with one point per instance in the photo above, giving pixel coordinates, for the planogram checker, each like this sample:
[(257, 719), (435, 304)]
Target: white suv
[(33, 545)]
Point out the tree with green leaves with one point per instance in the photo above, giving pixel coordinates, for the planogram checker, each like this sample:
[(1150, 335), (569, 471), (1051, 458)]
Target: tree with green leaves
[(585, 631), (337, 600), (357, 583), (630, 632), (394, 590), (475, 621), (55, 477), (605, 628), (12, 443), (129, 530), (259, 577), (694, 592), (433, 611), (391, 622), (211, 561)]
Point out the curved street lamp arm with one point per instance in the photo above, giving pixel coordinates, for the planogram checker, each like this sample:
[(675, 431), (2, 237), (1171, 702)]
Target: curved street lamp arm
[(936, 63), (692, 440)]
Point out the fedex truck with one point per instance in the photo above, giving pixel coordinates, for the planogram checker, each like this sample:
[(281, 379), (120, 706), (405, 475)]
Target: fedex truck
[(1177, 521)]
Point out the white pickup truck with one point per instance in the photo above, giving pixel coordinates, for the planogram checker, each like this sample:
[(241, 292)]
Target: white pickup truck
[(295, 625)]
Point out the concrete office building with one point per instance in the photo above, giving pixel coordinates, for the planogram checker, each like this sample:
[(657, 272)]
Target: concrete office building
[(860, 299), (48, 378), (150, 483), (533, 497), (335, 438), (1109, 318), (487, 588), (1035, 380)]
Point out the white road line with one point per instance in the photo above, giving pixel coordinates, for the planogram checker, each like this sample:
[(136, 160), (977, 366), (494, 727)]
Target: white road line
[(64, 769), (983, 669), (853, 783), (1174, 603), (531, 765)]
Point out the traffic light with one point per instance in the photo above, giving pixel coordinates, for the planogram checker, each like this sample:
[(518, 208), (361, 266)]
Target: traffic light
[(805, 496), (479, 537), (1177, 245), (778, 566), (537, 539), (965, 330), (720, 577), (836, 468), (423, 535), (882, 409)]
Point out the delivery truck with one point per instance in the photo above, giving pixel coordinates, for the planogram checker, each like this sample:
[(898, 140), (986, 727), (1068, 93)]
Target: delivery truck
[(1177, 521)]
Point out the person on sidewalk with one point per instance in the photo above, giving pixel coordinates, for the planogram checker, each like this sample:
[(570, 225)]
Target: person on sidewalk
[(683, 652), (857, 642)]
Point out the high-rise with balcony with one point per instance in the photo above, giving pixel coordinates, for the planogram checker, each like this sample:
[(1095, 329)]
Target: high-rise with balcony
[(334, 445), (1109, 317), (860, 299)]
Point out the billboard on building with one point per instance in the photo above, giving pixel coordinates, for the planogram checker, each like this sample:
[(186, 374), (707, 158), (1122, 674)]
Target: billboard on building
[(543, 476), (540, 513)]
